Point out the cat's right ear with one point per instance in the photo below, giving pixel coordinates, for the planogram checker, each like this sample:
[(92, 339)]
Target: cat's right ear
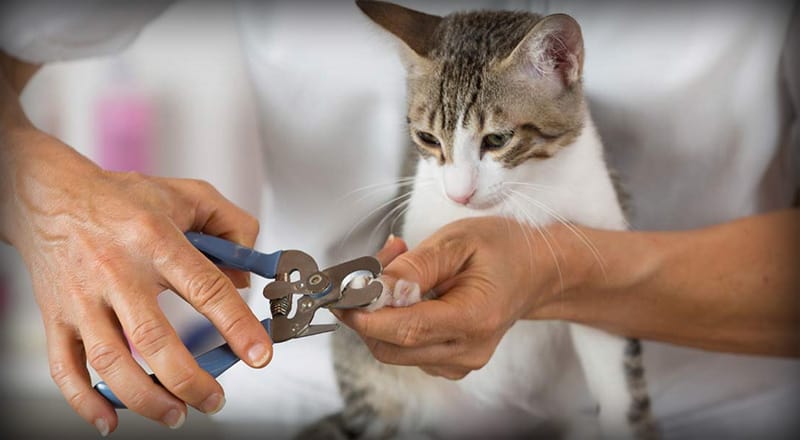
[(414, 29), (552, 49)]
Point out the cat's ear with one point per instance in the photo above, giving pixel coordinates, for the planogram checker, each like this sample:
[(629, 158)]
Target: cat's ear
[(414, 29), (552, 48)]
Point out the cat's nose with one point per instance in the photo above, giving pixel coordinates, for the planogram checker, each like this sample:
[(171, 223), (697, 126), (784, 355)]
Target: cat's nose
[(461, 199)]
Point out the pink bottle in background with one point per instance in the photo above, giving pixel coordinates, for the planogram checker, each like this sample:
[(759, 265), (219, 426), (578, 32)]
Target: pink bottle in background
[(124, 124)]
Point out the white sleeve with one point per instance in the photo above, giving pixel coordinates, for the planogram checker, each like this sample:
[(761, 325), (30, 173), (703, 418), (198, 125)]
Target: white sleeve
[(791, 74), (50, 30)]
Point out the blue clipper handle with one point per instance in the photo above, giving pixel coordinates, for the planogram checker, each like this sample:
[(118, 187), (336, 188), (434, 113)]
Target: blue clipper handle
[(215, 361), (231, 255)]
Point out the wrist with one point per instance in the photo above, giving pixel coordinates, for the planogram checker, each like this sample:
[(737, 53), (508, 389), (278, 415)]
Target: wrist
[(34, 170), (599, 268)]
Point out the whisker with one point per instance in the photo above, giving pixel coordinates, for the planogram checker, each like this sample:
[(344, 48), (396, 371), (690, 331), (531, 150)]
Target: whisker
[(571, 227), (398, 217), (399, 183), (371, 213), (388, 215), (547, 243)]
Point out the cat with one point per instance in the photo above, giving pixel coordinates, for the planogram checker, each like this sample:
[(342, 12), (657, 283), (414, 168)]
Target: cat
[(495, 110)]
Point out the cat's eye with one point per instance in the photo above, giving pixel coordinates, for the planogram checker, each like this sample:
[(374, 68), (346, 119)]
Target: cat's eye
[(495, 141), (428, 139)]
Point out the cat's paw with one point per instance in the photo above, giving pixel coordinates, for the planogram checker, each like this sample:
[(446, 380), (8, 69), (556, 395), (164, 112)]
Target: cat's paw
[(405, 293), (399, 293)]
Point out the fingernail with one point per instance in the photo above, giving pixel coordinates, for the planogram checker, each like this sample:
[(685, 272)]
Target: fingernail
[(389, 240), (102, 426), (259, 354), (213, 404), (174, 418)]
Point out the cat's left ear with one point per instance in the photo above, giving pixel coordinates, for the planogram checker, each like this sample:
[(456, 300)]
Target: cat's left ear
[(553, 48), (414, 29)]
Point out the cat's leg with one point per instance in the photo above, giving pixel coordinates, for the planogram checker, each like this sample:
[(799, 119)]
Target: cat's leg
[(373, 396), (378, 398), (613, 369)]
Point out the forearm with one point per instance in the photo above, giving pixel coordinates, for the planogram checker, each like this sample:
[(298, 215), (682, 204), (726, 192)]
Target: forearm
[(14, 76), (732, 287)]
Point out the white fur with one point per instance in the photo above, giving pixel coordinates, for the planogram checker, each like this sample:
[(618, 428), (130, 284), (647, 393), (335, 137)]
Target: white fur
[(533, 374)]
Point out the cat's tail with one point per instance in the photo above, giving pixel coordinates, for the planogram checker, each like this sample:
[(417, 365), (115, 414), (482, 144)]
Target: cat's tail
[(640, 416)]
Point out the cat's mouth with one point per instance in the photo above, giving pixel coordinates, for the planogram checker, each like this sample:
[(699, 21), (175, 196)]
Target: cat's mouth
[(480, 203)]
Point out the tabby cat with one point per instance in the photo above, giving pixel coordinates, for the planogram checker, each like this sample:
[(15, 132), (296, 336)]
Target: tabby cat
[(497, 112)]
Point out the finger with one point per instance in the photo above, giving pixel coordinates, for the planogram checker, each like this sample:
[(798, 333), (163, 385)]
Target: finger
[(68, 370), (425, 323), (108, 354), (216, 215), (452, 373), (157, 342), (204, 286), (436, 355), (437, 259), (394, 247), (240, 279)]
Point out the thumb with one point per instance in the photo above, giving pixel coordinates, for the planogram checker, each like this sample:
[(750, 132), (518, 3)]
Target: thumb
[(433, 262), (394, 246)]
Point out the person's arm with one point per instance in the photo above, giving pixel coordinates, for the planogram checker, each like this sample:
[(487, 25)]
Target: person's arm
[(100, 247), (732, 287)]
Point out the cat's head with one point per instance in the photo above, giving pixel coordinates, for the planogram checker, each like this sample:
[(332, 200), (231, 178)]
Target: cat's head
[(489, 92)]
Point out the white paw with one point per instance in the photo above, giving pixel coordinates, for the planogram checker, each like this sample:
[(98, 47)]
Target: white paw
[(406, 293), (403, 294)]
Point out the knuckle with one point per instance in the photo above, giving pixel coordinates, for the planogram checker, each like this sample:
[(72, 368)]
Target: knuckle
[(182, 381), (250, 226), (139, 398), (149, 336), (206, 289), (110, 266), (203, 186), (60, 372), (475, 363), (418, 264), (377, 350), (455, 375), (104, 357), (489, 325), (77, 400), (411, 334), (234, 325), (383, 352), (149, 223)]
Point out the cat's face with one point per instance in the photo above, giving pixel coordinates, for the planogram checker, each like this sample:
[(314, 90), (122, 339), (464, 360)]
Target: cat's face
[(491, 95), (511, 127)]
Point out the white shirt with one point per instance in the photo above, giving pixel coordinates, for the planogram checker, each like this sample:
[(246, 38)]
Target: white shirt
[(695, 106)]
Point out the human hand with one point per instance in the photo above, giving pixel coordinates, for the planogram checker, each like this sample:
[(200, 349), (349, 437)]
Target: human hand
[(100, 247), (482, 270)]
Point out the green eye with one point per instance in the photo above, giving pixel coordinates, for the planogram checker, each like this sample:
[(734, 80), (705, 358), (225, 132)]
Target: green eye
[(495, 141), (428, 139)]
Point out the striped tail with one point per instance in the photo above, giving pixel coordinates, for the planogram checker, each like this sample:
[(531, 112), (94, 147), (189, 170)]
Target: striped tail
[(640, 416)]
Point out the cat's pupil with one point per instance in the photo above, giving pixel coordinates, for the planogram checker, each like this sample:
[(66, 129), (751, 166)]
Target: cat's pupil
[(495, 141), (428, 138)]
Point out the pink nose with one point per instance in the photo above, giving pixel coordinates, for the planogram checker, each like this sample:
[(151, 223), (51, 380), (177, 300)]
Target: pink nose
[(461, 199)]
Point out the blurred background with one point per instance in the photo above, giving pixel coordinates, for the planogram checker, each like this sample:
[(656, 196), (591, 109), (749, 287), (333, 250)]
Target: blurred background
[(177, 102)]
